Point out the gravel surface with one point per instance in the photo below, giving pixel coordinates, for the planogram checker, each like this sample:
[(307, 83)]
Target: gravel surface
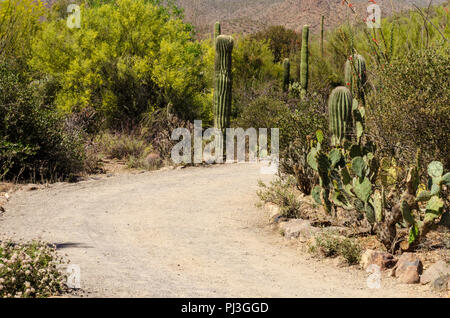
[(193, 232)]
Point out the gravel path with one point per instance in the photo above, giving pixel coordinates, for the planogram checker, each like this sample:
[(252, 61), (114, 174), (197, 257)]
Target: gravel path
[(193, 232)]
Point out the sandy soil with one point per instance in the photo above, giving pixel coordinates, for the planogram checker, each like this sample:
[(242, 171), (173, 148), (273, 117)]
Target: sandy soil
[(193, 232)]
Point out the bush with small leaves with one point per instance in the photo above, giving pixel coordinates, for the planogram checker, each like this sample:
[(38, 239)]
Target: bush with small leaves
[(30, 270)]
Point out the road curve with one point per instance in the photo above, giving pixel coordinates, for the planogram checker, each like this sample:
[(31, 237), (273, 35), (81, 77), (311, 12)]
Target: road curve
[(193, 232)]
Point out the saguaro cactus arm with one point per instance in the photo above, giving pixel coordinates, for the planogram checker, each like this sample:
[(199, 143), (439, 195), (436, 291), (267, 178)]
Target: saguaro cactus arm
[(217, 30)]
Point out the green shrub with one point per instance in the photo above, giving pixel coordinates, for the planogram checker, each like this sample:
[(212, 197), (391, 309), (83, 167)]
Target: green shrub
[(282, 41), (122, 145), (34, 144), (19, 21), (331, 244), (128, 58), (30, 270), (410, 109), (280, 192)]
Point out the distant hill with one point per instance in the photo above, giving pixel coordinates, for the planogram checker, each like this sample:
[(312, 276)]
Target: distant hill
[(249, 16)]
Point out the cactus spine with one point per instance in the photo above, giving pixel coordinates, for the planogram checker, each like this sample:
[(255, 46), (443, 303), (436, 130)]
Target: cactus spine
[(340, 114), (321, 35), (223, 82), (217, 30), (304, 68), (286, 75), (356, 75)]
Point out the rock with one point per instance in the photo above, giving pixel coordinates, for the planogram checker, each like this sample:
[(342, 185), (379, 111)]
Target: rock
[(383, 259), (2, 209), (441, 283), (390, 272), (408, 268), (339, 261), (153, 160), (298, 228), (31, 187), (434, 272), (274, 212)]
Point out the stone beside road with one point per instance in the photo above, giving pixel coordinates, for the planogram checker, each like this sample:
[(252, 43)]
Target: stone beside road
[(408, 269)]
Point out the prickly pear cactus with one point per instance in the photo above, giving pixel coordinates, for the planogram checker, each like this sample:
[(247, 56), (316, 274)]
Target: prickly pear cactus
[(340, 115), (435, 205), (286, 74), (223, 81), (304, 67)]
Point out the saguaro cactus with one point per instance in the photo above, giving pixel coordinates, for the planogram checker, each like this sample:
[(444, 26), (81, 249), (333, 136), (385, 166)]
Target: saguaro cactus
[(304, 67), (340, 114), (286, 74), (223, 82), (321, 35), (356, 75), (217, 30)]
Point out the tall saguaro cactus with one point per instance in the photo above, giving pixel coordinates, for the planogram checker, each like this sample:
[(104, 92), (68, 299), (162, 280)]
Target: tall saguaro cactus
[(321, 35), (304, 67), (217, 30), (223, 82), (340, 114), (286, 74)]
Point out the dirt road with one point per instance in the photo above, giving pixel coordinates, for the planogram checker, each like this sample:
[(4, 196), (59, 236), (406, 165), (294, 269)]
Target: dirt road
[(193, 232)]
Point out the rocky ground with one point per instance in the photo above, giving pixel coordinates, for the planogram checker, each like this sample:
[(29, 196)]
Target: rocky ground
[(192, 232)]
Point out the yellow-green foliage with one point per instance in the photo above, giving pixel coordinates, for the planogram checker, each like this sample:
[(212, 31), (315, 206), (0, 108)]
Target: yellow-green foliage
[(127, 58), (253, 60), (18, 22)]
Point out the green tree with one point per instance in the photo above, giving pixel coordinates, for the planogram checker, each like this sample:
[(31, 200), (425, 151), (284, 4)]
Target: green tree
[(282, 42), (129, 57), (19, 20)]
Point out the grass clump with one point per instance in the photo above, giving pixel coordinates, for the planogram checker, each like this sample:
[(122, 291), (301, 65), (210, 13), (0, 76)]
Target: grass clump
[(331, 244), (30, 270), (281, 192), (132, 148)]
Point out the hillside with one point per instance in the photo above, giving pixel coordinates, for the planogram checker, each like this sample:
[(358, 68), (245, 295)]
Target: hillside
[(248, 16)]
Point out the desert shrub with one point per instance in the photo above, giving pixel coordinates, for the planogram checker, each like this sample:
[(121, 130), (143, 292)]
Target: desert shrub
[(297, 119), (331, 244), (263, 112), (293, 161), (30, 270), (410, 109), (282, 41), (19, 20), (34, 143), (280, 192), (128, 58), (158, 128), (120, 145), (254, 73)]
